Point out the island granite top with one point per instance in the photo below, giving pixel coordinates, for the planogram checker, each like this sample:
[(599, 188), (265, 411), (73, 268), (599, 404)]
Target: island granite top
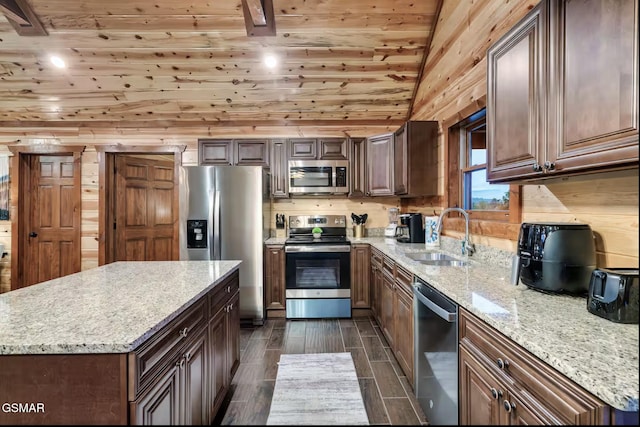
[(109, 309)]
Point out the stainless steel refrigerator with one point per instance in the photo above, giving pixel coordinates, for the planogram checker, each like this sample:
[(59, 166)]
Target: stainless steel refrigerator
[(224, 215)]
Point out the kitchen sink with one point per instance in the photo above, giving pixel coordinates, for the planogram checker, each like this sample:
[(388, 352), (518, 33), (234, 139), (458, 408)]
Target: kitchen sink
[(436, 258)]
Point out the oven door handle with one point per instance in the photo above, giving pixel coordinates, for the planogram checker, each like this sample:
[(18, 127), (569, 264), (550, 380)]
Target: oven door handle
[(318, 248)]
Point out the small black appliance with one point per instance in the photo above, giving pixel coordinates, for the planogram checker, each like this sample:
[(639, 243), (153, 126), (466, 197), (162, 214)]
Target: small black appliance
[(410, 229), (613, 294), (556, 257)]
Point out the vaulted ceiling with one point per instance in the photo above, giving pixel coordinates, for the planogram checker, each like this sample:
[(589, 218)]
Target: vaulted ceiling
[(192, 62)]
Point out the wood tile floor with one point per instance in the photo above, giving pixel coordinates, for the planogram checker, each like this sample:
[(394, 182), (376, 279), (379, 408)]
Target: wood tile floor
[(387, 394)]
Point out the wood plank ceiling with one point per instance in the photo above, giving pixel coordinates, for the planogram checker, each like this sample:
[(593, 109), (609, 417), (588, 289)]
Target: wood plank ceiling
[(190, 62)]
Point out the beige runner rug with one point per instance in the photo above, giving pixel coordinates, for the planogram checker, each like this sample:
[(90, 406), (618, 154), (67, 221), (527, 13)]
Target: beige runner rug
[(317, 389)]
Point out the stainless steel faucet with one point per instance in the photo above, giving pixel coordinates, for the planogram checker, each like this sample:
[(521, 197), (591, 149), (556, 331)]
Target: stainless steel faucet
[(468, 248)]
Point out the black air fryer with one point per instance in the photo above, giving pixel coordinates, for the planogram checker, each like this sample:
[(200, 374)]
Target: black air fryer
[(613, 294), (556, 257)]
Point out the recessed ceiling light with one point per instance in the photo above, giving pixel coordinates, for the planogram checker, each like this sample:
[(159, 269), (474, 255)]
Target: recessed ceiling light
[(270, 61), (57, 61)]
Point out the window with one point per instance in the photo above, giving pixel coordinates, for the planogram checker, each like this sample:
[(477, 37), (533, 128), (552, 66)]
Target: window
[(477, 193), (494, 209)]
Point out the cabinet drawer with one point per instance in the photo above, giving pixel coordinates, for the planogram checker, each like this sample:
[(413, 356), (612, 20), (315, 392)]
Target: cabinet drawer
[(388, 266), (220, 295), (525, 373), (150, 358), (403, 279)]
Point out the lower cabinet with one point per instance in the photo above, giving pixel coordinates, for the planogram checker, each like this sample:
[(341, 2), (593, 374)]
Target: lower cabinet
[(274, 280), (182, 376), (392, 307), (502, 383), (360, 280)]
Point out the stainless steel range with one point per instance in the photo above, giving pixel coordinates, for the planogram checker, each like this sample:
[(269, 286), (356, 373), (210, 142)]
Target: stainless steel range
[(318, 270)]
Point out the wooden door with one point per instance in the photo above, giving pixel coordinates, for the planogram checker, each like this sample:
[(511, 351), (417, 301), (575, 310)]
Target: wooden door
[(303, 148), (233, 335), (358, 165), (52, 212), (516, 94), (160, 405), (279, 170), (386, 308), (403, 312), (400, 162), (380, 165), (332, 148), (216, 152), (251, 152), (145, 213), (595, 124)]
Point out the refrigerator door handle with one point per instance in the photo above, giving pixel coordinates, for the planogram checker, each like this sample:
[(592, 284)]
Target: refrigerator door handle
[(216, 255)]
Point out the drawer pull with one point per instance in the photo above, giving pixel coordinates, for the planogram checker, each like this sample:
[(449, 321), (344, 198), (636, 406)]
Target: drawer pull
[(183, 332), (188, 356), (496, 394), (229, 289), (509, 406), (502, 364), (180, 363)]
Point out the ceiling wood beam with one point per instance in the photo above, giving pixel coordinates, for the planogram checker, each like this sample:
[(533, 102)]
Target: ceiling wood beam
[(22, 18), (259, 17)]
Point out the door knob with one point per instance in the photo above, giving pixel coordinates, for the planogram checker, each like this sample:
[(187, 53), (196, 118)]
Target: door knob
[(33, 234)]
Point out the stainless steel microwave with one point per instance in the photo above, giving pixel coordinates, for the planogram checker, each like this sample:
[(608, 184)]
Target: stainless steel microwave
[(318, 176)]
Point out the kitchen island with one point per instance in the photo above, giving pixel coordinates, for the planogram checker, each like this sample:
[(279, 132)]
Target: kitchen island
[(124, 343)]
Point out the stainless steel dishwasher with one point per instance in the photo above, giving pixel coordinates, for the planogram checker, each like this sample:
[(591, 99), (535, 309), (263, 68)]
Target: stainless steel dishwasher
[(436, 354)]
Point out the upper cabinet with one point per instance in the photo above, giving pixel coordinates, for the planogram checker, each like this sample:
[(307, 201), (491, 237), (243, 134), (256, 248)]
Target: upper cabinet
[(358, 165), (318, 148), (240, 152), (279, 184), (562, 91), (415, 159), (379, 150)]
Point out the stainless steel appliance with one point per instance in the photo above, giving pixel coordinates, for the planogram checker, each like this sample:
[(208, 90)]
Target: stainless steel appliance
[(613, 294), (318, 176), (410, 229), (318, 270), (436, 354), (556, 257), (224, 215)]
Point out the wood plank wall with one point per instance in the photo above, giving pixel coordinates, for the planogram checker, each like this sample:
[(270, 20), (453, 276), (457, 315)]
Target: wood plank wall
[(455, 76)]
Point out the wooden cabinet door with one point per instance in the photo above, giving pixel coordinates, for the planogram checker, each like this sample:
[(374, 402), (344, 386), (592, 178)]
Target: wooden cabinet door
[(332, 148), (160, 404), (516, 99), (403, 313), (387, 304), (218, 363), (400, 164), (520, 414), (303, 148), (360, 293), (194, 385), (233, 335), (274, 277), (595, 122), (251, 152), (279, 179), (216, 152), (480, 393), (358, 165), (380, 165)]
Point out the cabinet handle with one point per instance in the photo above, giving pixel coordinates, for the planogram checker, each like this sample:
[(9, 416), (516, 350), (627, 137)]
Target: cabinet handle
[(183, 333), (188, 356), (549, 165), (509, 406), (180, 363), (537, 167), (502, 364), (229, 289), (496, 394)]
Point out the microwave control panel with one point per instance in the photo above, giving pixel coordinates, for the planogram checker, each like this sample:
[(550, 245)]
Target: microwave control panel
[(341, 176), (196, 234)]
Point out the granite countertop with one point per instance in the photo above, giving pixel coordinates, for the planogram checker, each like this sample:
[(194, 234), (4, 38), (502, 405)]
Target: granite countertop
[(109, 309), (599, 355)]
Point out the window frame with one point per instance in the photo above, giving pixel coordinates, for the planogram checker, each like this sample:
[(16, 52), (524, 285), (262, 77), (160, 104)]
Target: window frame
[(501, 224)]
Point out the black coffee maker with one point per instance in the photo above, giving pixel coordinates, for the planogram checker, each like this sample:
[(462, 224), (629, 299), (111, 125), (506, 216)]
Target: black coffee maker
[(410, 229)]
